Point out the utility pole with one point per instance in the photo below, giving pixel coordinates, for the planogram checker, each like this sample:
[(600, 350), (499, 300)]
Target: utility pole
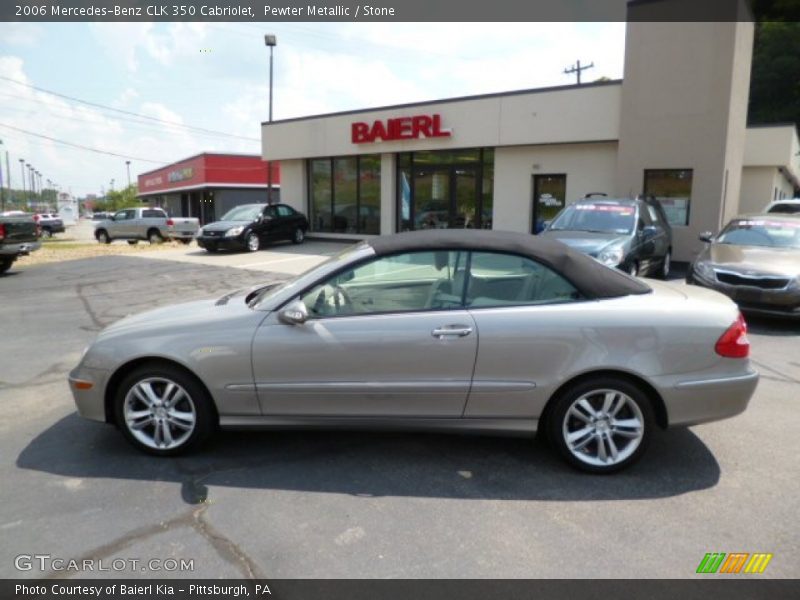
[(577, 68), (22, 170), (128, 164), (2, 193)]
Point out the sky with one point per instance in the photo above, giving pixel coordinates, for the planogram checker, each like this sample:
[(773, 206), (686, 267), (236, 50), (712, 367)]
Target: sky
[(214, 76)]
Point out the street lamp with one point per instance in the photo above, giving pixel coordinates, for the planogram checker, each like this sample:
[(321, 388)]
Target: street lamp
[(270, 41), (128, 165), (22, 170), (2, 193)]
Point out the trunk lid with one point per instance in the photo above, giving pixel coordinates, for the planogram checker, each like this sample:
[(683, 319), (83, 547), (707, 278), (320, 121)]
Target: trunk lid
[(18, 230)]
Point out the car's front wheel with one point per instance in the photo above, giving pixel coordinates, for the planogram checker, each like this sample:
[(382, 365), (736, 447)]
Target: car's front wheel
[(601, 425), (103, 237), (5, 264), (299, 236), (666, 266), (252, 242), (162, 410)]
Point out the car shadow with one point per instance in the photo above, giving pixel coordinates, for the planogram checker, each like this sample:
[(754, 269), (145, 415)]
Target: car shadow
[(373, 464)]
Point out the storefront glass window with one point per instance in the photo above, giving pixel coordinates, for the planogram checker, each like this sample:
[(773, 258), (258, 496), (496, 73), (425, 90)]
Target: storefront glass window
[(344, 194), (449, 189), (673, 188)]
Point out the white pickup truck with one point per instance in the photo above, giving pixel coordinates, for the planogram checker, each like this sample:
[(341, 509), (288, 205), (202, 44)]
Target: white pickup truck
[(151, 224)]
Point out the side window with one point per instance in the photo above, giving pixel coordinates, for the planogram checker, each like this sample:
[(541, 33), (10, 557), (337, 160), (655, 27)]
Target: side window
[(153, 214), (269, 211), (408, 282), (121, 215), (284, 211), (130, 213), (509, 280)]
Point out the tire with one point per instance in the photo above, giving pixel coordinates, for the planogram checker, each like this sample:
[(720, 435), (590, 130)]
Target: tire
[(154, 237), (185, 242), (145, 419), (5, 264), (633, 269), (616, 431), (666, 265), (133, 242), (299, 236), (211, 249), (46, 233), (102, 236), (251, 242)]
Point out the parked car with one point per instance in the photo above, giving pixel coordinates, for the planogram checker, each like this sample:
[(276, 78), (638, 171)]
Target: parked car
[(786, 207), (50, 223), (633, 235), (445, 330), (151, 224), (19, 236), (250, 226), (755, 260)]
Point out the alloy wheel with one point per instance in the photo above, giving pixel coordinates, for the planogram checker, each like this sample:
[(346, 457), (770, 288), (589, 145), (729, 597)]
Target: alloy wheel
[(603, 427), (253, 242), (299, 236), (159, 413)]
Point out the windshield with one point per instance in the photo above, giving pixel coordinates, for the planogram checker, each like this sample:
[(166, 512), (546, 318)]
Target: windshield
[(267, 292), (248, 212), (761, 232), (597, 218)]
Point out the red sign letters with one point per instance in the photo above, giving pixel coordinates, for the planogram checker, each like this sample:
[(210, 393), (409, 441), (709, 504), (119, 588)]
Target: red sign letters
[(403, 128)]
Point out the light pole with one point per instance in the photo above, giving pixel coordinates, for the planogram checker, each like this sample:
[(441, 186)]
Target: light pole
[(128, 165), (271, 41), (22, 170), (2, 193)]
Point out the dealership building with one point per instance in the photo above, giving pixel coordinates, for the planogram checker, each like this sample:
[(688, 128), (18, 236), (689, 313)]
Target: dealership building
[(673, 127), (208, 185)]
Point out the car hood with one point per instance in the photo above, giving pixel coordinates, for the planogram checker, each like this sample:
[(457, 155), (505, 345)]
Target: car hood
[(177, 317), (585, 241), (224, 225), (756, 259)]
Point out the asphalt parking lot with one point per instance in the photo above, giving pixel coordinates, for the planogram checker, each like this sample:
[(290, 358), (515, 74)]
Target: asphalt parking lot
[(335, 505)]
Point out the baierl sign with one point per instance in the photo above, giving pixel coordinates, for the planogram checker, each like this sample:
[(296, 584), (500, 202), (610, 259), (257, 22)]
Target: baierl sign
[(402, 128)]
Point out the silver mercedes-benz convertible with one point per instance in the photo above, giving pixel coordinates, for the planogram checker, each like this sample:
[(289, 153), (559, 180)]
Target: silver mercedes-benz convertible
[(463, 331)]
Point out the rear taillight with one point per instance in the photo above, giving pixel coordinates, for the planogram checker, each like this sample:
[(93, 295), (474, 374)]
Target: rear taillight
[(2, 231), (38, 230), (170, 222), (36, 218), (734, 343)]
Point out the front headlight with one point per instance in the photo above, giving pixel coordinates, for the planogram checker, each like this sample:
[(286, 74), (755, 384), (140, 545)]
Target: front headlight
[(704, 270), (234, 232), (611, 257)]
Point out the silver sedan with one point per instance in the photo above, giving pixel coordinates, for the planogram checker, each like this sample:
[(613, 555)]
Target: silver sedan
[(462, 331)]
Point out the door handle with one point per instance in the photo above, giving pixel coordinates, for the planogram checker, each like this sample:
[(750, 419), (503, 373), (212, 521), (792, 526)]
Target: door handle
[(457, 330)]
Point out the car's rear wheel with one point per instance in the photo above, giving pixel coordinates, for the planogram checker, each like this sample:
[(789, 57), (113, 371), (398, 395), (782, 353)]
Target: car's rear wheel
[(103, 237), (601, 425), (185, 241), (299, 236), (46, 233), (252, 242), (162, 410), (133, 242), (154, 236), (666, 266)]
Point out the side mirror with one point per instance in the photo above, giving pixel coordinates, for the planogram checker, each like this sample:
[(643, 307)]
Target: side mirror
[(294, 313), (649, 232), (706, 237)]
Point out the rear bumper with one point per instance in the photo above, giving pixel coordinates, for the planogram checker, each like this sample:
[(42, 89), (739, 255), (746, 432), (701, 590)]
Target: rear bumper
[(19, 249), (694, 401), (181, 235)]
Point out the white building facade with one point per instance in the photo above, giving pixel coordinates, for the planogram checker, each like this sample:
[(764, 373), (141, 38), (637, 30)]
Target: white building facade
[(674, 127)]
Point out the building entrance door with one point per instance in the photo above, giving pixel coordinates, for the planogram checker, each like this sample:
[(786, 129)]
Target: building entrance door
[(446, 197), (549, 197)]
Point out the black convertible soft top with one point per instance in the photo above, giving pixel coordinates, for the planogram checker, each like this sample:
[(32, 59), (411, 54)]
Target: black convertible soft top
[(592, 279)]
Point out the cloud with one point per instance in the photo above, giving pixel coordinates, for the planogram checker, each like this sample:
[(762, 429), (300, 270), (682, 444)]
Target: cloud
[(21, 34)]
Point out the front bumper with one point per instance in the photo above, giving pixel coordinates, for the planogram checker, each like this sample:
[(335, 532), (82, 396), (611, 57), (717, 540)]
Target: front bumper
[(20, 249), (90, 401), (221, 243), (755, 300)]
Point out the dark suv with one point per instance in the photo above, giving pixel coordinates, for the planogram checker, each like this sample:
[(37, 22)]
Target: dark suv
[(632, 234)]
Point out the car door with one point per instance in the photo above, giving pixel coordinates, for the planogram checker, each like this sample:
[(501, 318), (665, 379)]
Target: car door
[(388, 338), (288, 220), (120, 226), (269, 227), (533, 326)]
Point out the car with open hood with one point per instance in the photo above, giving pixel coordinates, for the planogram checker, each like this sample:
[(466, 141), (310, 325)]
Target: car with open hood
[(631, 234), (440, 330), (755, 260)]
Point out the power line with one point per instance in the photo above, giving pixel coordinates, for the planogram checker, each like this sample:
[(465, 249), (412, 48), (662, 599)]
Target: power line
[(81, 147), (127, 112)]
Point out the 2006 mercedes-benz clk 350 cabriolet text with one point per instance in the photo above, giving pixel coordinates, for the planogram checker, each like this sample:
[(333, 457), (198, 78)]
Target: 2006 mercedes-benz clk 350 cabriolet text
[(465, 331)]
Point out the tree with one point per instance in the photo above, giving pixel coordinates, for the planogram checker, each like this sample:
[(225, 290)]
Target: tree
[(118, 199), (775, 80)]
